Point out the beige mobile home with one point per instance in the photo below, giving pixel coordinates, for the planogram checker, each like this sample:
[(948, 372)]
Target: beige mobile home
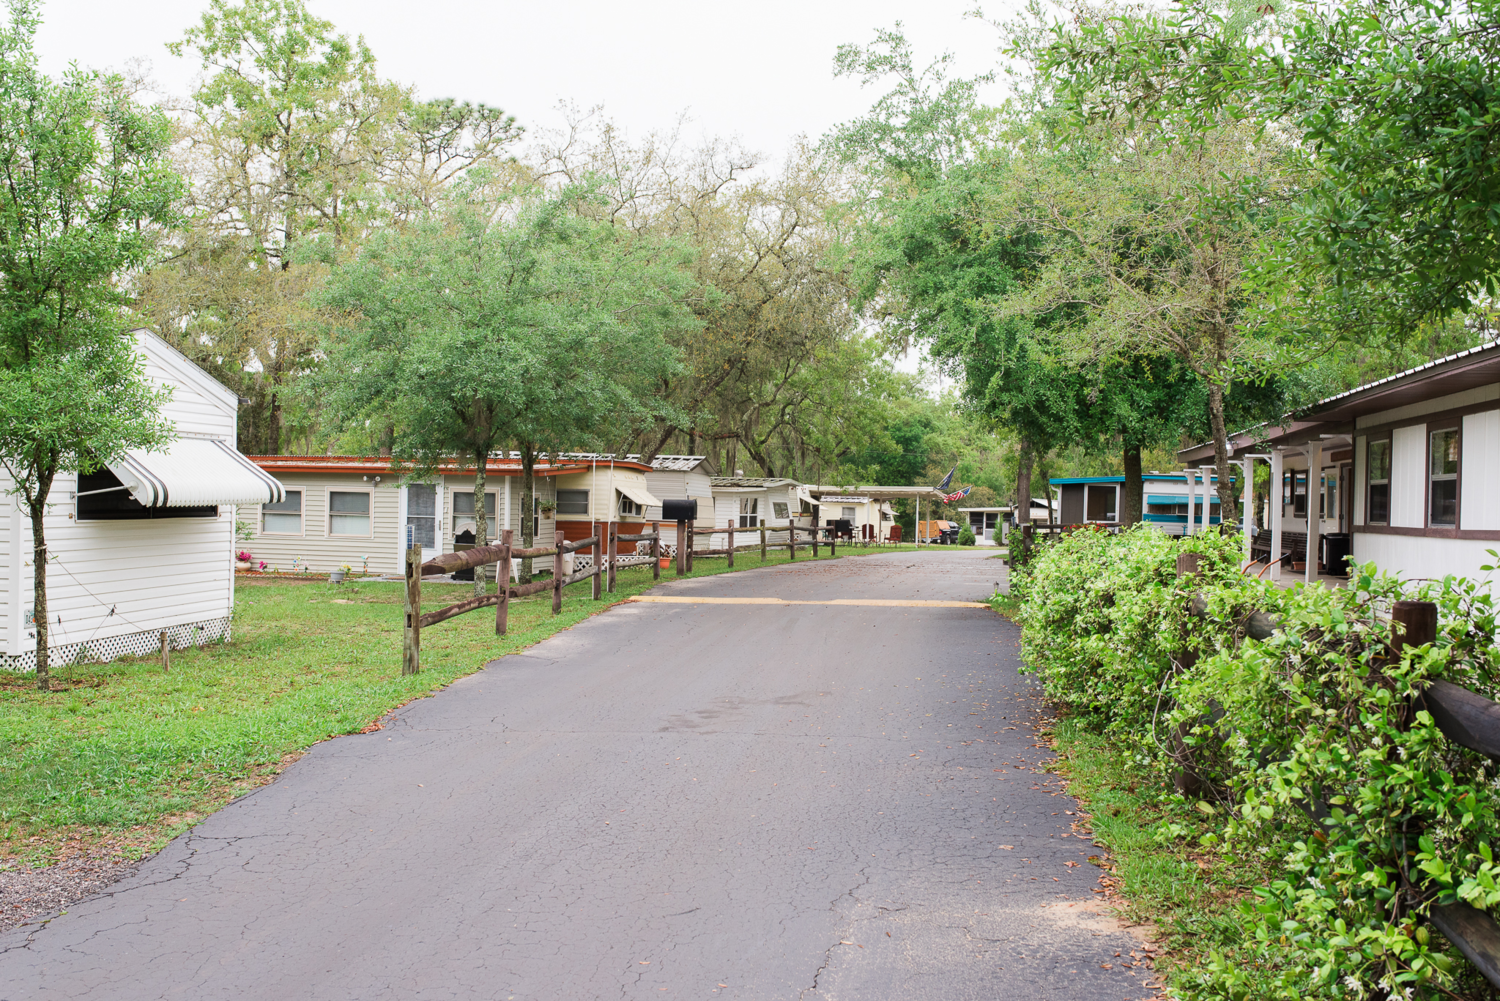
[(350, 510), (144, 545)]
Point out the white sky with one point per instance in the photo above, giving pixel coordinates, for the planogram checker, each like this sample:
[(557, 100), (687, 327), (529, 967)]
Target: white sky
[(760, 72)]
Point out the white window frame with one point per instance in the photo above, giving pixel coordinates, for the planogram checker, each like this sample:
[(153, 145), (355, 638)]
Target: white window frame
[(301, 517), (1456, 431), (328, 531), (454, 515)]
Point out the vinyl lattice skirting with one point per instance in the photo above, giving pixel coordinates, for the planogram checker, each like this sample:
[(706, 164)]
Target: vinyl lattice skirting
[(99, 651)]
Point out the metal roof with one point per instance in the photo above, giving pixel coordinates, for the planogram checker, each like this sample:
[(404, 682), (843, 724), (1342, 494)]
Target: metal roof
[(750, 481), (674, 463)]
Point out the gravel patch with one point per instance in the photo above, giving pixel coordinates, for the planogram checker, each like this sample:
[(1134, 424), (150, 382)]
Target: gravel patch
[(27, 894)]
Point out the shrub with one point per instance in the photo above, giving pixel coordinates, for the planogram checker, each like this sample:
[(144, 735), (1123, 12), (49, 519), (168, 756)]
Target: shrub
[(1320, 719), (966, 536)]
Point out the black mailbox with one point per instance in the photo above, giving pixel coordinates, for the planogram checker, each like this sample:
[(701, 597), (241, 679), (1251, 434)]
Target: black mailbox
[(679, 510)]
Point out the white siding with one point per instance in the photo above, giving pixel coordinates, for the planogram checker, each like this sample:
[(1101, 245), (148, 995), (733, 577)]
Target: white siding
[(199, 405), (1361, 447), (1408, 476), (10, 570), (1467, 398), (315, 548), (1479, 471), (1415, 556), (108, 579)]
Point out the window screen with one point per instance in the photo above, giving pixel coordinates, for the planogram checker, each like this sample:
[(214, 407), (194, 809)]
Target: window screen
[(283, 517), (101, 497), (1443, 478), (1380, 482), (463, 503), (573, 502), (421, 514), (348, 513)]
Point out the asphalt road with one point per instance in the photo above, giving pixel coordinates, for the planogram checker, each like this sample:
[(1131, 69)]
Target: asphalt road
[(750, 801)]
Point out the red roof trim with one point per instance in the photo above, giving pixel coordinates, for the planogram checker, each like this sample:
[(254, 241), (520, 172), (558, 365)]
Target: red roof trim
[(372, 464)]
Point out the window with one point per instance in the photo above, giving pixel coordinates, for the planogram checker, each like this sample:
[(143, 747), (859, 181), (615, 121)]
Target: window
[(779, 510), (348, 512), (1299, 493), (1379, 478), (750, 512), (102, 497), (1286, 490), (463, 505), (848, 514), (1443, 477), (1328, 496), (283, 517), (573, 502), (628, 507), (1101, 502), (421, 514)]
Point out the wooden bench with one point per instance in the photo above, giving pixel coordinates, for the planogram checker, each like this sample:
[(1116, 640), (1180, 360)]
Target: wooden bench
[(1293, 546)]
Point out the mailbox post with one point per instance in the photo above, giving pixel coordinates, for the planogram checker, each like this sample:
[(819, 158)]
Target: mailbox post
[(682, 512)]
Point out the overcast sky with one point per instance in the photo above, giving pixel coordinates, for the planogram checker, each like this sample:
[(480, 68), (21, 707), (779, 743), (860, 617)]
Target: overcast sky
[(760, 71)]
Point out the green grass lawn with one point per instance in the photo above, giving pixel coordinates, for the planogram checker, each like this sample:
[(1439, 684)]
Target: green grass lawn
[(126, 755)]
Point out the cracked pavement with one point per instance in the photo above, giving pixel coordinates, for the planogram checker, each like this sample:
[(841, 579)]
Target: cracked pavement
[(715, 801)]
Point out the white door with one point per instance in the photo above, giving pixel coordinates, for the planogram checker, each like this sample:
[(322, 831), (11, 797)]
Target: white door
[(421, 517)]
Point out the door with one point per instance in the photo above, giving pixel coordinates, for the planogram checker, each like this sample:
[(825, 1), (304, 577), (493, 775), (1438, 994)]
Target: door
[(421, 517)]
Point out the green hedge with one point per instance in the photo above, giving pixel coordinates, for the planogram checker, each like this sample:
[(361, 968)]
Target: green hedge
[(1320, 713)]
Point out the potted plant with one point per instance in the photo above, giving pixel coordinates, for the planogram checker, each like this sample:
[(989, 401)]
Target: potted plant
[(338, 575), (243, 560)]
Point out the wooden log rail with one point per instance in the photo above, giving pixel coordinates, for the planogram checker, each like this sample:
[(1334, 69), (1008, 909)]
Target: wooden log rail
[(1464, 717), (602, 569)]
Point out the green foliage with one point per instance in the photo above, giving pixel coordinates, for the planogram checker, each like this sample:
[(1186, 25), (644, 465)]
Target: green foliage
[(966, 535), (1319, 720)]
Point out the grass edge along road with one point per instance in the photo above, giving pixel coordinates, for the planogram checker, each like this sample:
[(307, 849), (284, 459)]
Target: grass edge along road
[(121, 757), (1155, 875)]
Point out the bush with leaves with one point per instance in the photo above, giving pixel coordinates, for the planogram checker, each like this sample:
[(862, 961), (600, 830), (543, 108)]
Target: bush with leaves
[(966, 536), (1312, 747), (1093, 608)]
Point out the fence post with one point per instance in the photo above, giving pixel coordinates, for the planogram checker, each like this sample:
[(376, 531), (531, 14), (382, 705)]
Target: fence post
[(731, 543), (815, 540), (763, 540), (502, 577), (611, 544), (1413, 623), (594, 581), (656, 550), (166, 652), (557, 575), (681, 548), (791, 538), (833, 543), (411, 653), (690, 531)]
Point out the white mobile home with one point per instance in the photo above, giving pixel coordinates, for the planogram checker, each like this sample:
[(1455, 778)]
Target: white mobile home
[(143, 546), (680, 477), (1404, 471)]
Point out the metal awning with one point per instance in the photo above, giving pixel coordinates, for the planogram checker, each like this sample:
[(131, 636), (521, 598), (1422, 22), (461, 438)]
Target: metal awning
[(640, 495), (195, 472)]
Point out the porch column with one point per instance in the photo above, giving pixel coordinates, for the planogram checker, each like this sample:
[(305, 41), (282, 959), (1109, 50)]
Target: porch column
[(1206, 523), (1275, 508), (1249, 504), (1192, 485), (1314, 522)]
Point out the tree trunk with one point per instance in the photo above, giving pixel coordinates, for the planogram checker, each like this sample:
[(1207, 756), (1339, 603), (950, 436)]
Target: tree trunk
[(1023, 483), (39, 585), (481, 516), (387, 440), (1130, 513), (528, 507), (1228, 506)]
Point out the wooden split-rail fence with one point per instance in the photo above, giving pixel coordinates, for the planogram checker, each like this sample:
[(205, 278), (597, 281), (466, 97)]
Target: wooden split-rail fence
[(603, 544), (1464, 717)]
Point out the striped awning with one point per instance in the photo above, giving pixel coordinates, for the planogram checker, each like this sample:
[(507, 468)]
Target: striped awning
[(195, 472)]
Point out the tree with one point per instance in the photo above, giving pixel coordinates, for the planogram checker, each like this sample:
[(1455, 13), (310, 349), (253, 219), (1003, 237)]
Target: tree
[(506, 317), (1394, 107), (297, 151), (84, 185)]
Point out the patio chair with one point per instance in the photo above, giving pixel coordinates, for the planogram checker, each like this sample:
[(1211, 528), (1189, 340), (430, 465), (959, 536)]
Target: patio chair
[(894, 536)]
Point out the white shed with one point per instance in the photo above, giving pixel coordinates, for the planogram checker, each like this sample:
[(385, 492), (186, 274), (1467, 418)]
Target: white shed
[(680, 477), (143, 546), (746, 501)]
